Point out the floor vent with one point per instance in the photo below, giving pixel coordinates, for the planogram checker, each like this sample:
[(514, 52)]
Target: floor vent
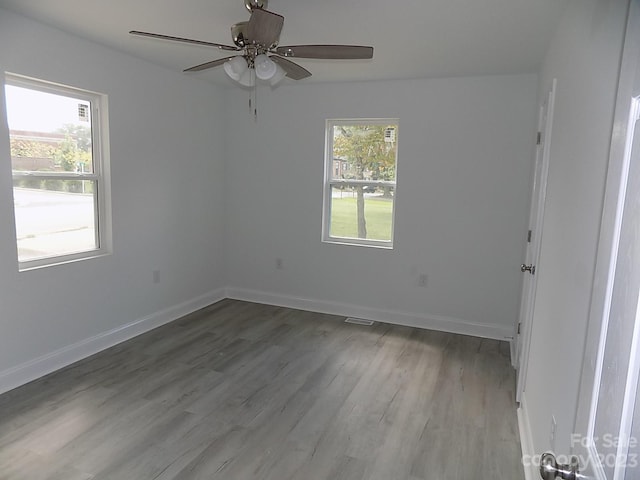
[(359, 321)]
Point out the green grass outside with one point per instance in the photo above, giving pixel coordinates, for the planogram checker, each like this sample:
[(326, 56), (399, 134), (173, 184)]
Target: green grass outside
[(377, 214)]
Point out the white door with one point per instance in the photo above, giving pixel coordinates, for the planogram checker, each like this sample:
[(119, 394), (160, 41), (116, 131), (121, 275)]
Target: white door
[(534, 238), (605, 443)]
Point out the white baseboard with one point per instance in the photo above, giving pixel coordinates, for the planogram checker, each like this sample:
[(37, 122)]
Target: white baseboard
[(526, 442), (41, 366), (431, 322)]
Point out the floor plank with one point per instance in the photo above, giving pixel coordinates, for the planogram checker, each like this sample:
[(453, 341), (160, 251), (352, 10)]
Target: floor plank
[(246, 391)]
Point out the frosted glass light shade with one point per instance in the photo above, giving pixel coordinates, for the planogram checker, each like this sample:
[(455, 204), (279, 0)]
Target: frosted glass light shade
[(236, 67), (265, 67), (279, 75)]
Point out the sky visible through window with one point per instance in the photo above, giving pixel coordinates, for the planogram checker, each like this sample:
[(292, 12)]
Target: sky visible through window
[(54, 110)]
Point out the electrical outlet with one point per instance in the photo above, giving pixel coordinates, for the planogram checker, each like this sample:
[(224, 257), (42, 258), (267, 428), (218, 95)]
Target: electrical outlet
[(552, 435), (279, 264), (422, 280), (156, 276)]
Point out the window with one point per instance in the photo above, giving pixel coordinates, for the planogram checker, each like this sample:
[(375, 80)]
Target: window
[(57, 139), (360, 182)]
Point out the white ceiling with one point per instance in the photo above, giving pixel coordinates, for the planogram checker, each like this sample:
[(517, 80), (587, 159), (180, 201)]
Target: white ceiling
[(411, 38)]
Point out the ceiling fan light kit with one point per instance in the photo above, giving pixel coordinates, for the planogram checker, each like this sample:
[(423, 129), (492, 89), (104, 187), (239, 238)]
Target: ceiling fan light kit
[(240, 69)]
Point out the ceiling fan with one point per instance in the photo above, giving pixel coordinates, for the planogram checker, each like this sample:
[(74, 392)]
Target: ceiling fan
[(259, 54)]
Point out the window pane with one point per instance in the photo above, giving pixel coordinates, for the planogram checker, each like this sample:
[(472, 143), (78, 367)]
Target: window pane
[(364, 152), (372, 221), (54, 217), (48, 132), (360, 181)]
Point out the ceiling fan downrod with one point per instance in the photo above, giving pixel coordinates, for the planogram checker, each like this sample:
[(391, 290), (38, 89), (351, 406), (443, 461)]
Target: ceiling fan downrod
[(253, 4)]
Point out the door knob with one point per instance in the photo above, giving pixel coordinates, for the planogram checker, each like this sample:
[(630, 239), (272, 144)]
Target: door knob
[(550, 469), (528, 268)]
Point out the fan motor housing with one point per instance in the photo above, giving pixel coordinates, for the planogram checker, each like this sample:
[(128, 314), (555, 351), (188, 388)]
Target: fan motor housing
[(239, 34)]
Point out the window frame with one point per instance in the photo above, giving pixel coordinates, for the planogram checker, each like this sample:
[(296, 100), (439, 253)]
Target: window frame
[(99, 175), (330, 182)]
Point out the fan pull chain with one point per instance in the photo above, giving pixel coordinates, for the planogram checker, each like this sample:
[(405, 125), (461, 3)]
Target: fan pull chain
[(255, 100)]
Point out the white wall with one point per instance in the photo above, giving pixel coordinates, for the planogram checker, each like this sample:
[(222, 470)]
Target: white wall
[(167, 195), (465, 149), (584, 57)]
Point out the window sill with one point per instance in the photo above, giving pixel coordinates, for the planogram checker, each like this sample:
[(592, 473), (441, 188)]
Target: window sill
[(62, 260), (358, 243)]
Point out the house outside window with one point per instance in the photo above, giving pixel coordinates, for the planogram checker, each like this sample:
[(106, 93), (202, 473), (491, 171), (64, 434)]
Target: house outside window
[(360, 182), (58, 149)]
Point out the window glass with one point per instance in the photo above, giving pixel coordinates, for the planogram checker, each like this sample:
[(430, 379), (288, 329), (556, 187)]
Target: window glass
[(57, 173), (360, 182)]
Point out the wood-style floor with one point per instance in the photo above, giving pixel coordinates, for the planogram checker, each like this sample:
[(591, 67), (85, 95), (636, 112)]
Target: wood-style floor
[(245, 391)]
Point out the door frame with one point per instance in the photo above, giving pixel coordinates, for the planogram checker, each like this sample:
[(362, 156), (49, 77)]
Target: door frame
[(606, 259)]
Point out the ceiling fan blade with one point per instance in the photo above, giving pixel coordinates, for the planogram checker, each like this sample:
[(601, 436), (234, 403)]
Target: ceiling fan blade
[(183, 40), (294, 71), (264, 27), (338, 52), (211, 64)]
